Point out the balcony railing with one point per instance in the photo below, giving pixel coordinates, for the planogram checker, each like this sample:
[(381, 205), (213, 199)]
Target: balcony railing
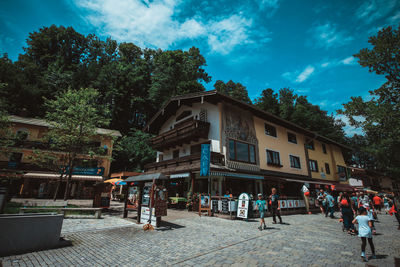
[(189, 161), (185, 132)]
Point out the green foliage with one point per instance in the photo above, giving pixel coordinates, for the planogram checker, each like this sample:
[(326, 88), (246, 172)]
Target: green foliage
[(268, 101), (133, 151), (235, 90), (379, 117)]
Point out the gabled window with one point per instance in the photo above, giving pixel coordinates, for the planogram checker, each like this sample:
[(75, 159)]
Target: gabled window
[(327, 168), (295, 162), (313, 165), (324, 148), (292, 138), (273, 158), (270, 130), (342, 173), (310, 144), (239, 151)]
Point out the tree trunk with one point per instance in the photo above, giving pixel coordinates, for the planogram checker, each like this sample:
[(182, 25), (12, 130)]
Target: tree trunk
[(69, 177)]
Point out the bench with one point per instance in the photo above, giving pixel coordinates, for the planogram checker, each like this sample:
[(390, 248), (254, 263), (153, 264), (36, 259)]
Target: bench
[(97, 211)]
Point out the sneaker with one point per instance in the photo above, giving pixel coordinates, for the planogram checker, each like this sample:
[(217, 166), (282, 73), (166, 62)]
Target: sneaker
[(373, 256), (274, 222), (265, 227), (259, 228), (364, 259), (280, 222)]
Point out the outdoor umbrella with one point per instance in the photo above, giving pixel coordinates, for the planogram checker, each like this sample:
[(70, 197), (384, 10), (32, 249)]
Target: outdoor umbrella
[(120, 182), (112, 181)]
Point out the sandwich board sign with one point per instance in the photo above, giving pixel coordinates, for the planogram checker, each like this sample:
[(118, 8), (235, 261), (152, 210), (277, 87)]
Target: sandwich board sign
[(243, 206)]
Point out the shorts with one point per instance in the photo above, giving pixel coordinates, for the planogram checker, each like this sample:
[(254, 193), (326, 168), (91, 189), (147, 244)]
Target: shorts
[(262, 214)]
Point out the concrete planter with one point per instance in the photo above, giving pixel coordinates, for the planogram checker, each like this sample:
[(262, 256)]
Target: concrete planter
[(21, 233)]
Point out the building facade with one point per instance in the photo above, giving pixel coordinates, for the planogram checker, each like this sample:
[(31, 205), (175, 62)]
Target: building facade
[(27, 178), (251, 150)]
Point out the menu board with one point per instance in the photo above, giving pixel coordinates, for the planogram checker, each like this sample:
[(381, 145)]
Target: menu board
[(225, 205), (243, 206), (214, 205), (145, 215)]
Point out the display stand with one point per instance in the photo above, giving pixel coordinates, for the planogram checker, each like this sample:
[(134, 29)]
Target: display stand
[(205, 204)]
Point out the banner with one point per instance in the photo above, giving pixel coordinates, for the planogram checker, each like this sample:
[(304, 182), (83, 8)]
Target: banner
[(84, 170), (205, 160), (243, 206)]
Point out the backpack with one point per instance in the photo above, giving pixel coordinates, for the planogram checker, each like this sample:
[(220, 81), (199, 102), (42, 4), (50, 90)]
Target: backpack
[(344, 202)]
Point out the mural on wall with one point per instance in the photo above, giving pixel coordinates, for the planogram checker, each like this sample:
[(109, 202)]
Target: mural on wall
[(239, 124)]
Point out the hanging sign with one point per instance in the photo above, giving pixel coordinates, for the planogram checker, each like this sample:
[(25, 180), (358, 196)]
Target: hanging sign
[(243, 206), (205, 160)]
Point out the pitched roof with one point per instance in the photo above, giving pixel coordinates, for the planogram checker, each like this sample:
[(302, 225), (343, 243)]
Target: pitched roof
[(44, 123), (170, 107)]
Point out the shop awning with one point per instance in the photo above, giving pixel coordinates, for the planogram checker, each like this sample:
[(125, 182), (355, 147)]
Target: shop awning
[(237, 175), (308, 181), (44, 175), (146, 177), (179, 175), (343, 187)]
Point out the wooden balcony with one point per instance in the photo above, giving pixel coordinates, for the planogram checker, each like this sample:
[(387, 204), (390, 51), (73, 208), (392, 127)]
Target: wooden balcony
[(191, 130), (187, 163)]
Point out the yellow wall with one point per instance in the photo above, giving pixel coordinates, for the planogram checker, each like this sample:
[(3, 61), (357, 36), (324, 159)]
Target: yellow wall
[(333, 157), (36, 133), (281, 145)]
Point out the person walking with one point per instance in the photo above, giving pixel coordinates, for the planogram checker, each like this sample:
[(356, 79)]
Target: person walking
[(347, 213), (261, 204), (365, 232), (275, 205), (330, 204), (320, 199), (386, 203), (377, 203), (363, 199)]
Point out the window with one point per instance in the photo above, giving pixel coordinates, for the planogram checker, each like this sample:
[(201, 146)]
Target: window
[(175, 154), (313, 165), (160, 157), (342, 173), (273, 158), (240, 151), (270, 130), (327, 168), (324, 148), (292, 138), (310, 144), (295, 162)]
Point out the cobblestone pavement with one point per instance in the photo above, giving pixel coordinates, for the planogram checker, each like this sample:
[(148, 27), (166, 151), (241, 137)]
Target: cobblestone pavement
[(305, 240)]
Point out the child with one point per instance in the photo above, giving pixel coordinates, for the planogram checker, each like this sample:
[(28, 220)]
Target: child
[(364, 231), (261, 205)]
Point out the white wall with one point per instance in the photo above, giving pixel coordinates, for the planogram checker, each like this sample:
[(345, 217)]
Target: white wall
[(214, 133)]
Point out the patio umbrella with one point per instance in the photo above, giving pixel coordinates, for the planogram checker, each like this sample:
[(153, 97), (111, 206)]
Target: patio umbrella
[(120, 182), (112, 181)]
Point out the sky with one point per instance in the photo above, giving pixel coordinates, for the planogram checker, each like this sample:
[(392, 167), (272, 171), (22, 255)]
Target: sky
[(305, 45)]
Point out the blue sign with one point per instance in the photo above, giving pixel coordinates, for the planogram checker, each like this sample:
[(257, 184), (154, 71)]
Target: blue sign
[(86, 170), (205, 160)]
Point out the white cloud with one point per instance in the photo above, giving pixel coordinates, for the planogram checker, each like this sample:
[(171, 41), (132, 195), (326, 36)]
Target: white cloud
[(395, 19), (348, 61), (327, 36), (305, 74), (348, 129), (155, 24), (375, 9)]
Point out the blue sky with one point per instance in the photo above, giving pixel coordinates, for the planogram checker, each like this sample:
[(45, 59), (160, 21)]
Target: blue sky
[(304, 45)]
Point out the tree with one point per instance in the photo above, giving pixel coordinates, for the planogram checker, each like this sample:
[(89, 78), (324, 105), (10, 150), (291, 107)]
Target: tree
[(132, 151), (7, 137), (73, 117), (379, 117), (235, 90), (268, 101)]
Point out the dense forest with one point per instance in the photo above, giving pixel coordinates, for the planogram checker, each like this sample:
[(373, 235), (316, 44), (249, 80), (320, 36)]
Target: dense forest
[(134, 82)]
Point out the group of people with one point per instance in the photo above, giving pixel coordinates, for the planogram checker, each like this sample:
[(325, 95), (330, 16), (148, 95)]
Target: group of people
[(357, 208), (275, 207)]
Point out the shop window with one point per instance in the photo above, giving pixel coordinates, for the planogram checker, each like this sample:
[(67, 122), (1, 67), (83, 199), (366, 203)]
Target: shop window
[(327, 168), (239, 151), (175, 154), (295, 162), (310, 144), (324, 148), (273, 158), (342, 172), (313, 165), (270, 130), (292, 138)]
